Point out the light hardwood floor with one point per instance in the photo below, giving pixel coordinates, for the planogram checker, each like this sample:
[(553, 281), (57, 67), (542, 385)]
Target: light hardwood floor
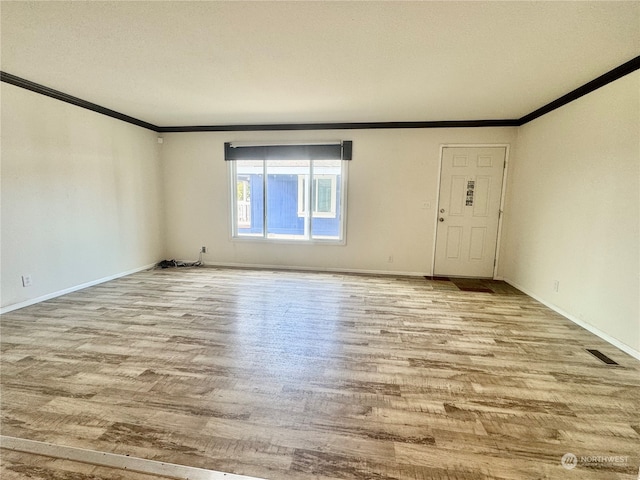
[(294, 375)]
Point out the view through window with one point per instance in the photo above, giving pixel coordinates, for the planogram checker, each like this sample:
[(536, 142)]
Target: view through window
[(288, 199)]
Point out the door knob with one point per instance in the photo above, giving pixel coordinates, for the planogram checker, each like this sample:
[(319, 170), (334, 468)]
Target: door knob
[(442, 210), (441, 219)]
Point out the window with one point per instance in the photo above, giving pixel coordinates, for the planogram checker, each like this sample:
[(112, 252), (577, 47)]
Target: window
[(324, 195), (288, 198), (244, 201)]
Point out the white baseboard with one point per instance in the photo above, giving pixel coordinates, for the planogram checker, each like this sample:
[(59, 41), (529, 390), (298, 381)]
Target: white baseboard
[(317, 269), (587, 326), (33, 301)]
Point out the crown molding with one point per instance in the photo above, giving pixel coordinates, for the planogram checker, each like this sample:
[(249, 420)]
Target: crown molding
[(64, 97), (601, 81), (611, 76), (342, 126)]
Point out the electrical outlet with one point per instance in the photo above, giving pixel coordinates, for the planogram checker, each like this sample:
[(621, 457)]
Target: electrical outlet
[(556, 286), (390, 259), (203, 250), (27, 281)]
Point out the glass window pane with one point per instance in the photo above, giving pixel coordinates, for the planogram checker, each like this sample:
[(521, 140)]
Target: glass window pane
[(283, 218), (323, 195), (326, 224), (249, 198)]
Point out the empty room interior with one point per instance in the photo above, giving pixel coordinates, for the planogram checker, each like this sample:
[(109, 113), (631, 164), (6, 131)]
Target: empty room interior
[(320, 240)]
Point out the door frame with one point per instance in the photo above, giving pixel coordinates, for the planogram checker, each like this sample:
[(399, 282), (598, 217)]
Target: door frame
[(507, 148)]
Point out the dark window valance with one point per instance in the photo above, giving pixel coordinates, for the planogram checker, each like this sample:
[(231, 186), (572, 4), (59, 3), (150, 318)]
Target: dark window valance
[(335, 151)]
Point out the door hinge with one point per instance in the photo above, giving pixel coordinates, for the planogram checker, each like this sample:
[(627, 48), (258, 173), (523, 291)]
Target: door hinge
[(504, 165)]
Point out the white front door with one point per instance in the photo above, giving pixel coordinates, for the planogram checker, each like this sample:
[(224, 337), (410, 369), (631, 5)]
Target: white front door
[(469, 211)]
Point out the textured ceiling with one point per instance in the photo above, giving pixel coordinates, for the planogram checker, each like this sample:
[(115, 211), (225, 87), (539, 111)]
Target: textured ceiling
[(221, 63)]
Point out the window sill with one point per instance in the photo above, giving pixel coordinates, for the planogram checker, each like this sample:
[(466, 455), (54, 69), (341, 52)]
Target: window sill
[(288, 241)]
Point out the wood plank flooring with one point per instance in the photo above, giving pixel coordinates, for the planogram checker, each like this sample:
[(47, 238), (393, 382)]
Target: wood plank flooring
[(298, 375)]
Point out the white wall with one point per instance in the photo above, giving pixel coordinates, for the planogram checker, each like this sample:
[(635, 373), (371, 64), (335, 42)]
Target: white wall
[(81, 196), (392, 173), (573, 210)]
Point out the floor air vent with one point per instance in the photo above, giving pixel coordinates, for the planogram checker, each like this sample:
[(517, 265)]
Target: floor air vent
[(602, 356)]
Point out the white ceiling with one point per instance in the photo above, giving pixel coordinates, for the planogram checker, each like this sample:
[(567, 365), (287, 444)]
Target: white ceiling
[(220, 63)]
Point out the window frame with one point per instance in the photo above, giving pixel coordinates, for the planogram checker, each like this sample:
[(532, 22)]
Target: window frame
[(340, 213)]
